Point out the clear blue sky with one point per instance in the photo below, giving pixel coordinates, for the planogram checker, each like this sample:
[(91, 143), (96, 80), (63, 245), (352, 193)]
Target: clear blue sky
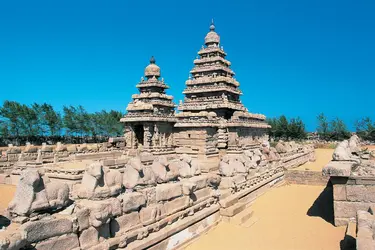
[(297, 58)]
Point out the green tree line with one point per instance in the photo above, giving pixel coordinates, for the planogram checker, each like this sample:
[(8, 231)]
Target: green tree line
[(335, 129), (36, 123), (282, 128)]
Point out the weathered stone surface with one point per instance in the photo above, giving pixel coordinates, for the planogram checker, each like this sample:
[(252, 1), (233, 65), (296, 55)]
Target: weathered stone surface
[(152, 214), (89, 237), (201, 195), (124, 223), (176, 205), (150, 194), (64, 242), (200, 181), (339, 192), (338, 168), (168, 191), (364, 193), (44, 229), (98, 182), (12, 240), (346, 209), (98, 212), (132, 201)]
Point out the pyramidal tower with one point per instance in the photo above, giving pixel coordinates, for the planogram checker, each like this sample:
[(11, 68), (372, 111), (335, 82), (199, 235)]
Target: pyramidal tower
[(150, 115), (212, 116)]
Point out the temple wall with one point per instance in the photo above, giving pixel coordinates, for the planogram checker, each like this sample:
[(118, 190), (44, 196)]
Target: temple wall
[(162, 214), (195, 141)]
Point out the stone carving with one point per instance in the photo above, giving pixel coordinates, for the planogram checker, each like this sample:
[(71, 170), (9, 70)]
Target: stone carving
[(34, 194), (136, 174), (98, 182), (187, 166), (343, 152), (164, 171)]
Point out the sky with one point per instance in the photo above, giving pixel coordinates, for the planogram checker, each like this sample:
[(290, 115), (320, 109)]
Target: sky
[(291, 57)]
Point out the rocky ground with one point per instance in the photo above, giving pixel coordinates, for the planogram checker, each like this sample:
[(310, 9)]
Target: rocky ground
[(288, 217), (6, 194)]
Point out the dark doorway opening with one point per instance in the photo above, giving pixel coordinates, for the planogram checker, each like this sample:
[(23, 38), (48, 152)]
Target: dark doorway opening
[(139, 131)]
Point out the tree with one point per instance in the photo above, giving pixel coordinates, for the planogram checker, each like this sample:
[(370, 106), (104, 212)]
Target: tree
[(282, 128), (296, 129), (365, 128), (50, 119), (323, 127), (339, 131)]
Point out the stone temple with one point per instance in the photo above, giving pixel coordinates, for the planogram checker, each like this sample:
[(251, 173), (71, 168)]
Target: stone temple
[(170, 178), (211, 118)]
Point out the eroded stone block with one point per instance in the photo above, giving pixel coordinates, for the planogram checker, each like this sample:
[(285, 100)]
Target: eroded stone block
[(124, 223), (201, 195), (339, 192), (44, 229), (176, 204), (64, 242), (152, 214), (168, 191), (132, 201)]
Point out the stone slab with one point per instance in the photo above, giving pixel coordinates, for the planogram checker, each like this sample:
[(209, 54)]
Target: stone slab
[(338, 168)]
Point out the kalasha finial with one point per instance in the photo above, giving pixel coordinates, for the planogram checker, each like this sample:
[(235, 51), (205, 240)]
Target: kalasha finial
[(152, 60), (212, 26)]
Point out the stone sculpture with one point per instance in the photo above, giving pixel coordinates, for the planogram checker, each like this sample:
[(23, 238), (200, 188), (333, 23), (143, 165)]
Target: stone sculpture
[(187, 166), (98, 182), (34, 194)]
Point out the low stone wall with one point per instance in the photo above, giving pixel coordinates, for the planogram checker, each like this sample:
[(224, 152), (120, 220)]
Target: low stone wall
[(351, 194), (304, 177)]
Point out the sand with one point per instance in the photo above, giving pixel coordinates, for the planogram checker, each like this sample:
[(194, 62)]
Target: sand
[(281, 222), (323, 156), (6, 195)]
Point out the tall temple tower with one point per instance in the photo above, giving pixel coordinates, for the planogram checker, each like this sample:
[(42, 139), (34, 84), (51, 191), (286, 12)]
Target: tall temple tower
[(212, 116), (150, 116)]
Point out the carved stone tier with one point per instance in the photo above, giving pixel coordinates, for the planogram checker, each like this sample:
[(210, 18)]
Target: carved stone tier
[(152, 95), (204, 69), (212, 59), (212, 88), (208, 50), (209, 79), (211, 105)]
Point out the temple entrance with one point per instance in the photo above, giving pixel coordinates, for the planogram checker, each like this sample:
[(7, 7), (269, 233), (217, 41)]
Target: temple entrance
[(139, 132)]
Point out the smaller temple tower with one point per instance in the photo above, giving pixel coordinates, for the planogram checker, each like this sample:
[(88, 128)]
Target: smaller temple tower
[(150, 117)]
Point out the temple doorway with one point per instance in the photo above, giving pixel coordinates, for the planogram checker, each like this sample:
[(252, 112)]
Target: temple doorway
[(139, 132)]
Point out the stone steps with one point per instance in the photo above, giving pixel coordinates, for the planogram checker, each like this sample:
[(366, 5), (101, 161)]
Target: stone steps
[(242, 217), (233, 210)]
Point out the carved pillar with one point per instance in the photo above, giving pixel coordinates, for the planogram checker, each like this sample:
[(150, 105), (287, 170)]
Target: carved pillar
[(147, 136), (129, 137)]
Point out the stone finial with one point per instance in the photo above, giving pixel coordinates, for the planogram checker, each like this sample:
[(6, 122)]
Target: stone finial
[(212, 26), (152, 60)]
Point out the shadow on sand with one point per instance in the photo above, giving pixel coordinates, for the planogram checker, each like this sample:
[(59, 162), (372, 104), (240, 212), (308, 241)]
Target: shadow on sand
[(323, 208), (323, 205)]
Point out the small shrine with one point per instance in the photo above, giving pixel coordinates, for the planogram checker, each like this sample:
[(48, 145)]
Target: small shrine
[(150, 115)]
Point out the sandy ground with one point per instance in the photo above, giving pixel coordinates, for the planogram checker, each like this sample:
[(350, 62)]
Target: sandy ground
[(323, 156), (288, 217), (6, 195)]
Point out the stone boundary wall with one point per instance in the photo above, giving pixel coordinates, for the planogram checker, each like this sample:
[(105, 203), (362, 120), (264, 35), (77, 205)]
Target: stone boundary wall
[(304, 177), (350, 195)]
